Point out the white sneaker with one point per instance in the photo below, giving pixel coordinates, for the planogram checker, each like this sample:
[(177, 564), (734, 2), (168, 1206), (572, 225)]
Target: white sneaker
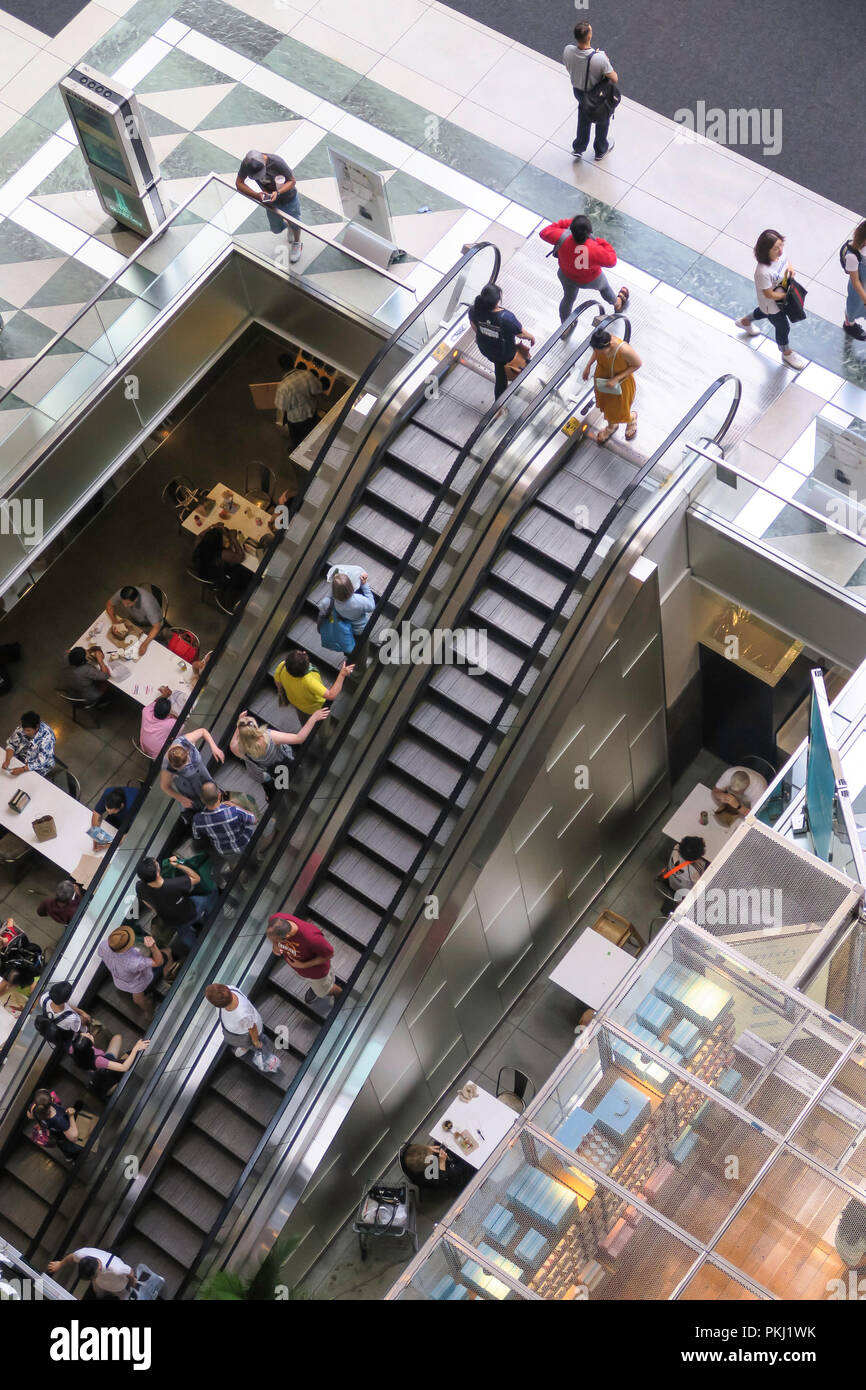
[(791, 359), (747, 326), (295, 253), (241, 1051)]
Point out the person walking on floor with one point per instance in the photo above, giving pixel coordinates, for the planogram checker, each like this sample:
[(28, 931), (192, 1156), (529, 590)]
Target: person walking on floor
[(242, 1025), (587, 67), (581, 260), (615, 365), (310, 954), (771, 269), (496, 333), (277, 190), (854, 264), (296, 399)]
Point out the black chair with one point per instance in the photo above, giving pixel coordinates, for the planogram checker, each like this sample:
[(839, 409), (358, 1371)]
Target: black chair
[(16, 855), (185, 632), (77, 703), (654, 926), (260, 484), (207, 586), (64, 779), (759, 765), (181, 496), (161, 599), (514, 1086)]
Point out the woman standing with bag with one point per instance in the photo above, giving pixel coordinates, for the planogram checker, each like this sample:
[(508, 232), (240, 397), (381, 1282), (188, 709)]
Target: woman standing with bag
[(496, 333), (615, 365), (854, 264), (264, 750), (772, 268)]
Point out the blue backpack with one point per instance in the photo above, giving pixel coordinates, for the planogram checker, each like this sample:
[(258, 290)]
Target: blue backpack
[(335, 632)]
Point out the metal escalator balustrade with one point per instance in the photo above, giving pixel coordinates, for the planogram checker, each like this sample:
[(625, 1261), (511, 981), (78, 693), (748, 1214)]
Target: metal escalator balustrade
[(48, 1188), (528, 672), (235, 1082)]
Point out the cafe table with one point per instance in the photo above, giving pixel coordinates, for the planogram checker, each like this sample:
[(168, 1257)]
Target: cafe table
[(487, 1119), (142, 677), (251, 521), (71, 819)]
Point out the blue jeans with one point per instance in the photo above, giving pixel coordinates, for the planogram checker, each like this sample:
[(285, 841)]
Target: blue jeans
[(202, 903), (584, 130), (781, 326), (571, 289), (290, 204), (854, 306)]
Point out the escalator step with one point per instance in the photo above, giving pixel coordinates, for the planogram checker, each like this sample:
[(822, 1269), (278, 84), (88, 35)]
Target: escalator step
[(521, 624), (181, 1190), (392, 486), (241, 1086), (299, 1030), (424, 453), (21, 1204), (406, 803), (467, 692), (169, 1230), (469, 387), (343, 912), (136, 1250), (448, 415), (283, 977), (446, 729), (387, 536), (365, 876), (226, 1127), (551, 537), (531, 579), (210, 1163), (395, 846), (429, 769), (17, 1238), (565, 493), (30, 1166), (605, 469)]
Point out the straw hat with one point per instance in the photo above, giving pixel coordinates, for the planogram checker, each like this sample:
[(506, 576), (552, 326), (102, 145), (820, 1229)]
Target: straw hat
[(121, 939)]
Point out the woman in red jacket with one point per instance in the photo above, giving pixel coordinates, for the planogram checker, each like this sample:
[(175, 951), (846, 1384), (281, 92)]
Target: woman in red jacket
[(582, 258)]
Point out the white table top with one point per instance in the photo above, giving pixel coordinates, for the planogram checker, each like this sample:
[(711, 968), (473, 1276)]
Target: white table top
[(685, 821), (253, 522), (71, 818), (592, 968), (141, 678), (487, 1119)]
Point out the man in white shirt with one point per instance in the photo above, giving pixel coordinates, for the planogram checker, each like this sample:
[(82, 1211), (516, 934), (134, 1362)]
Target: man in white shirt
[(109, 1276), (242, 1024), (586, 67)]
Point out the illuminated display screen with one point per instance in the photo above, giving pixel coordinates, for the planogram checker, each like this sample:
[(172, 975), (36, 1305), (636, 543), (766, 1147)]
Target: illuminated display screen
[(99, 137), (124, 206)]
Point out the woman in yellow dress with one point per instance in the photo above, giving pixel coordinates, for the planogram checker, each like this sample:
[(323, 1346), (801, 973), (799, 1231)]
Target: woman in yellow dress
[(615, 363)]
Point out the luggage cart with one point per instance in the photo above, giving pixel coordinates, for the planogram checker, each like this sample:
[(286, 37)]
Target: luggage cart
[(386, 1211)]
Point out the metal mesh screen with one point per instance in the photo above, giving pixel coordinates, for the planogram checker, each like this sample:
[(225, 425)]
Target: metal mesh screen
[(449, 1274), (711, 1282)]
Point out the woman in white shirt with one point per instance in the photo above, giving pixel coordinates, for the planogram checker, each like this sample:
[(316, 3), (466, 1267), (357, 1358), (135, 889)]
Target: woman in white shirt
[(772, 267), (853, 261)]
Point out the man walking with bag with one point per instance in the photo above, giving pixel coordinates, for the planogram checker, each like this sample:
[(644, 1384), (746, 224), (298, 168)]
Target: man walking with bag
[(588, 68)]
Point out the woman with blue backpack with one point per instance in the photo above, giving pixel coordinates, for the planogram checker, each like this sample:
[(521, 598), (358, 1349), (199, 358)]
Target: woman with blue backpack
[(853, 262), (345, 612)]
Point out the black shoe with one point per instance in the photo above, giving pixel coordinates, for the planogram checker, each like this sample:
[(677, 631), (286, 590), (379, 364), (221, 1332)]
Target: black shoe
[(578, 154), (606, 151), (310, 997), (854, 331)]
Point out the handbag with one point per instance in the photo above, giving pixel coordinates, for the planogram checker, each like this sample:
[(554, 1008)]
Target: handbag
[(518, 362), (335, 632), (18, 801), (183, 644), (202, 865), (44, 828), (794, 301)]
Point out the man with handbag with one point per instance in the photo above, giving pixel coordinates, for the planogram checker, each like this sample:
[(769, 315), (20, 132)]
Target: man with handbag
[(588, 68)]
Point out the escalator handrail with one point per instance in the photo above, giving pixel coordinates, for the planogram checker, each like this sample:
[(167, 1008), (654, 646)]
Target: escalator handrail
[(430, 839)]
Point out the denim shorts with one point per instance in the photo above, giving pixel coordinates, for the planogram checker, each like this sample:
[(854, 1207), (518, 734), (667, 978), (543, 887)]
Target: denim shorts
[(291, 205)]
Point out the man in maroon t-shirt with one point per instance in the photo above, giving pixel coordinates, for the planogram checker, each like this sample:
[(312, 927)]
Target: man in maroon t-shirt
[(307, 951)]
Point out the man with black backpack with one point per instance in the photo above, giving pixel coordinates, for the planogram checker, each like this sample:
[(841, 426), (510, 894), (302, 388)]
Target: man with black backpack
[(593, 82), (59, 1020)]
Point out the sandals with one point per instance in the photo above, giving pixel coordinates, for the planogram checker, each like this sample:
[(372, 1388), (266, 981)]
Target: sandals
[(605, 434), (622, 299), (631, 427)]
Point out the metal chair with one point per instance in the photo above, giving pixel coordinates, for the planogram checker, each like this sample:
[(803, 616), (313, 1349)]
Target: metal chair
[(514, 1088), (259, 484), (65, 780), (654, 926), (207, 585), (180, 494), (138, 748), (227, 601), (77, 703), (162, 600), (759, 765), (185, 632), (16, 855)]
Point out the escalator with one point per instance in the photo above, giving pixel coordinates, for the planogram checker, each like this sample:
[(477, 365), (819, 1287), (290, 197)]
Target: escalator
[(527, 587)]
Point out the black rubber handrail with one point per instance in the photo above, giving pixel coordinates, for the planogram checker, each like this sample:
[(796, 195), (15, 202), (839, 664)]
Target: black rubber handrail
[(430, 840)]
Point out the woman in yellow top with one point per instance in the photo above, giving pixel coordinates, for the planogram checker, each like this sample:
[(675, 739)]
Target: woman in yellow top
[(302, 685), (615, 362)]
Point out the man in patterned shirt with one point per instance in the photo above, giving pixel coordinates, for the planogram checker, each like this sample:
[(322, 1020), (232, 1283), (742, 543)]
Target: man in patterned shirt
[(228, 827), (295, 399), (33, 744)]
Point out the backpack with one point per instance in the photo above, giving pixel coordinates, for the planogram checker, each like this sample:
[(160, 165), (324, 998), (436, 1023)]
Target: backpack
[(843, 252), (559, 240), (335, 632), (601, 100), (47, 1026)]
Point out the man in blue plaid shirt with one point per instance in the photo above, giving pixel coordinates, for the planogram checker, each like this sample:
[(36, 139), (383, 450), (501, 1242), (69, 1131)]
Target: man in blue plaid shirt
[(228, 827), (33, 744)]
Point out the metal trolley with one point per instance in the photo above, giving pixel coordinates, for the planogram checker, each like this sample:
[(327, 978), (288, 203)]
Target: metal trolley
[(386, 1211)]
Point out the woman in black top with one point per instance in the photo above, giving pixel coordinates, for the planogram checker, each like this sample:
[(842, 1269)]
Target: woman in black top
[(496, 332), (219, 558)]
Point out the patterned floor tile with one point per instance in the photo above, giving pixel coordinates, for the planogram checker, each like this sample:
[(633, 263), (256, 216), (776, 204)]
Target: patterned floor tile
[(313, 71), (394, 114), (23, 336), (82, 209), (245, 106), (20, 142), (408, 195), (49, 111), (74, 283), (157, 124), (17, 244), (70, 176), (20, 280), (317, 164), (236, 140), (196, 156), (186, 107), (179, 70), (238, 31)]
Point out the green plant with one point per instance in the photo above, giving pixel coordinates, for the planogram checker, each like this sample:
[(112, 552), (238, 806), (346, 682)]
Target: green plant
[(264, 1285)]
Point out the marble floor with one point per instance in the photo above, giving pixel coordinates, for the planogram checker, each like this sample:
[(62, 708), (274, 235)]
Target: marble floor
[(426, 96)]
